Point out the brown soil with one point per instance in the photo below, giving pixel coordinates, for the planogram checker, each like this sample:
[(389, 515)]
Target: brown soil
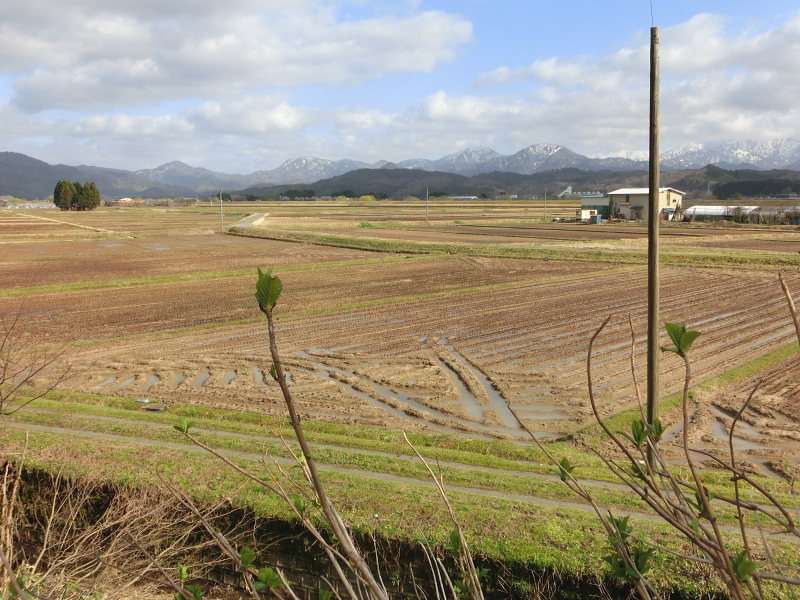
[(438, 344), (56, 262)]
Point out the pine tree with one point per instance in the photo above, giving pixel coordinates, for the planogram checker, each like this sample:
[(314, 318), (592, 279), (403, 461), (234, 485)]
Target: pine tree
[(64, 195), (70, 195), (91, 196)]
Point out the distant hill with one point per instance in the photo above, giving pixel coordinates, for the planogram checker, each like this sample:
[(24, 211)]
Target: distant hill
[(398, 183), (26, 177), (748, 182)]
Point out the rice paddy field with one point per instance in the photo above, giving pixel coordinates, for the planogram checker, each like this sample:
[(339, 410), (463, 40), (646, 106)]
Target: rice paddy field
[(389, 322)]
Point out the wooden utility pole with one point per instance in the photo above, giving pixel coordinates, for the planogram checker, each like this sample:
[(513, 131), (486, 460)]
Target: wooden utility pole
[(544, 218), (221, 223), (653, 295)]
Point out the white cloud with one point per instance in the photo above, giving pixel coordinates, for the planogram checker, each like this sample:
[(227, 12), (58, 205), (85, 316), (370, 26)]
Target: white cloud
[(94, 55), (714, 86), (233, 65)]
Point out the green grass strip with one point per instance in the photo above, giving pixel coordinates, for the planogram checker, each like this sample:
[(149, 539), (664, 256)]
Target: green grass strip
[(694, 259)]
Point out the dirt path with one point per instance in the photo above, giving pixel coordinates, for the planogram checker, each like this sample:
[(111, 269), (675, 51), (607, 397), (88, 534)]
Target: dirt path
[(72, 224)]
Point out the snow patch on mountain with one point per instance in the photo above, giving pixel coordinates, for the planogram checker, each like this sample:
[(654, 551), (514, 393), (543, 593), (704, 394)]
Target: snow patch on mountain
[(629, 154)]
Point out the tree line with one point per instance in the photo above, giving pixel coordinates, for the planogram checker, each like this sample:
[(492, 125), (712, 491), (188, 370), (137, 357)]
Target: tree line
[(71, 195), (753, 189)]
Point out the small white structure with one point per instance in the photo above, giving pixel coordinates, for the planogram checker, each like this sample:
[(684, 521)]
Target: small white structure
[(717, 213), (633, 203), (584, 214), (567, 192), (600, 203)]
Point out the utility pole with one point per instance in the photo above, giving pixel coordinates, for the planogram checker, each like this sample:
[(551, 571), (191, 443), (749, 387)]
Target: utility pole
[(653, 293), (221, 223), (426, 203), (545, 205)]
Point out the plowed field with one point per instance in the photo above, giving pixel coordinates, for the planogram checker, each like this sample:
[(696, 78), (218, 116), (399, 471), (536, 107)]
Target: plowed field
[(442, 343)]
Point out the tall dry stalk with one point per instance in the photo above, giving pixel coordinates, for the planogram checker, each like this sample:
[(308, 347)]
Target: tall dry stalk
[(790, 302), (358, 580), (12, 477), (23, 360), (686, 505)]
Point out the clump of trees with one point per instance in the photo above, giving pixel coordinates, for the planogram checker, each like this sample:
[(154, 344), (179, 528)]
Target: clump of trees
[(71, 195), (294, 194)]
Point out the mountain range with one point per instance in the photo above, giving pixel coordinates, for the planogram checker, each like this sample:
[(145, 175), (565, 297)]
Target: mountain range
[(26, 177)]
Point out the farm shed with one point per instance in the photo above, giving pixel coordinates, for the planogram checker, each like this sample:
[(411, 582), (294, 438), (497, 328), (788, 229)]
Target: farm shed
[(597, 202), (717, 213), (632, 203)]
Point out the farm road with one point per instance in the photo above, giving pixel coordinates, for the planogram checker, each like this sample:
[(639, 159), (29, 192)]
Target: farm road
[(71, 224), (526, 498)]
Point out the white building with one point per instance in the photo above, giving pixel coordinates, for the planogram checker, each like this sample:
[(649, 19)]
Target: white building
[(633, 203)]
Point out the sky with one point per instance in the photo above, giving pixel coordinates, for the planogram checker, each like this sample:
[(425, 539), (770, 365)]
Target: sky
[(243, 85)]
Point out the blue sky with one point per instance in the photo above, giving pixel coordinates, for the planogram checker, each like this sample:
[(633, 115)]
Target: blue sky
[(244, 85)]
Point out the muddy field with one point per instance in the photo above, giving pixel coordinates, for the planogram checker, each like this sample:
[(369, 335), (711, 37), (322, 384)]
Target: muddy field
[(30, 264), (444, 344), (452, 363)]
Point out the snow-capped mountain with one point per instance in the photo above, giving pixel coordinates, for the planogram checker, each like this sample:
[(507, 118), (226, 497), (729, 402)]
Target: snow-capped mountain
[(629, 154), (310, 168), (540, 157), (176, 178), (771, 154), (463, 161), (466, 159), (296, 170), (416, 163)]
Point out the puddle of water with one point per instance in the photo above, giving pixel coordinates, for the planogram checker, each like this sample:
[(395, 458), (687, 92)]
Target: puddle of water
[(673, 433), (151, 381), (518, 407), (468, 401), (324, 372), (125, 383), (741, 426), (179, 378), (372, 402), (201, 379), (313, 349), (106, 382), (529, 414), (229, 376), (258, 376), (498, 402), (719, 432)]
